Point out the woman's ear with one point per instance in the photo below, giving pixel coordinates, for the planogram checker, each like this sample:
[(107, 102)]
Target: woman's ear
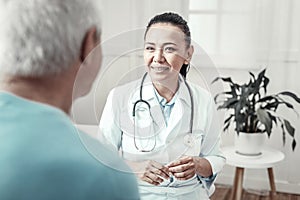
[(90, 41), (190, 52)]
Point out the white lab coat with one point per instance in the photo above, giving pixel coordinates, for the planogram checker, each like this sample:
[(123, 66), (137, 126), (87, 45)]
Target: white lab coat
[(169, 142)]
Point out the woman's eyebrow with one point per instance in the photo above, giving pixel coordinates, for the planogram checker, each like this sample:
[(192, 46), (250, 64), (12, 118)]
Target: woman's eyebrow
[(170, 43), (151, 43), (166, 43)]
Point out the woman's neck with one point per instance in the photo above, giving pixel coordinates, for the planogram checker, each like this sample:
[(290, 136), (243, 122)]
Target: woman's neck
[(167, 90)]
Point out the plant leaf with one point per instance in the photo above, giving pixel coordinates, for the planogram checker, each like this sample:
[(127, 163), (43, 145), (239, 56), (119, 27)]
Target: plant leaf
[(290, 94), (226, 127), (283, 134), (222, 94), (261, 74), (266, 98), (288, 104), (266, 82), (273, 105), (228, 119), (228, 104), (273, 118), (289, 128), (227, 122), (259, 79), (294, 144), (227, 79), (252, 75), (234, 89), (264, 117)]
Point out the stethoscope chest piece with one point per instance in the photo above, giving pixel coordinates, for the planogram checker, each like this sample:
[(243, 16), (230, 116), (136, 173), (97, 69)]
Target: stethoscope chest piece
[(189, 140)]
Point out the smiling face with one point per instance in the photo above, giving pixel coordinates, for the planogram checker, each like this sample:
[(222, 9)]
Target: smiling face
[(165, 51)]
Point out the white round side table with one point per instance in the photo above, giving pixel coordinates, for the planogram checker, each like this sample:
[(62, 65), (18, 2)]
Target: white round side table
[(266, 160)]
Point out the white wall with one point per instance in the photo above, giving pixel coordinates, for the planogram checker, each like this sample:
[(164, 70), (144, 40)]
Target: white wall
[(277, 43), (278, 49)]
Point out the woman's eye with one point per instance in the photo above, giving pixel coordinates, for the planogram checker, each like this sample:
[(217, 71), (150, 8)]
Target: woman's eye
[(148, 48), (170, 49)]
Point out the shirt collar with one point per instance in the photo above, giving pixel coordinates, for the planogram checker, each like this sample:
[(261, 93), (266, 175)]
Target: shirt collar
[(149, 92), (182, 93), (162, 101)]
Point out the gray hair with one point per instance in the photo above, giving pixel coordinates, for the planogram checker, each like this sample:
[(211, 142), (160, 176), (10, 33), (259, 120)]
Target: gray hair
[(43, 37)]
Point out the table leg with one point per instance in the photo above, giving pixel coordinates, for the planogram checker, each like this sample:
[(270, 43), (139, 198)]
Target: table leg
[(272, 182), (237, 188)]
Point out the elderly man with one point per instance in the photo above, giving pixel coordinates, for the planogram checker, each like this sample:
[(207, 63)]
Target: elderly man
[(44, 46)]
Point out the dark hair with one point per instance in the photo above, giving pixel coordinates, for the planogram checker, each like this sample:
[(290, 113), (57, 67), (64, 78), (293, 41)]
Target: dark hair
[(178, 21)]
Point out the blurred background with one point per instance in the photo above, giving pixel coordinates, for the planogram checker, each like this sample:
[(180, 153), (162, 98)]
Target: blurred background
[(232, 37)]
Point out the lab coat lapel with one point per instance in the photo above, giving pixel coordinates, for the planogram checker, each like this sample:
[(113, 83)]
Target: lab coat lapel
[(156, 112), (180, 115)]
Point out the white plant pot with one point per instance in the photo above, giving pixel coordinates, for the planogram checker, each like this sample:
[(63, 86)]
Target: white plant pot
[(249, 144)]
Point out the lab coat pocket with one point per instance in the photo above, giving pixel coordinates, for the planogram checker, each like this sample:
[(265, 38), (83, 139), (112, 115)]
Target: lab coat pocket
[(193, 141)]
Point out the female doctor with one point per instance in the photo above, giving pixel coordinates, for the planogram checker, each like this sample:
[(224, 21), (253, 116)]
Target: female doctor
[(164, 126)]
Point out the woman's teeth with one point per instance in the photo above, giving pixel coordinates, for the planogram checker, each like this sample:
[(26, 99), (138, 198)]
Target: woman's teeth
[(160, 69)]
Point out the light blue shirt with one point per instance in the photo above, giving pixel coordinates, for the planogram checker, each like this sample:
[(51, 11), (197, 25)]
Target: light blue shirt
[(166, 107), (42, 157)]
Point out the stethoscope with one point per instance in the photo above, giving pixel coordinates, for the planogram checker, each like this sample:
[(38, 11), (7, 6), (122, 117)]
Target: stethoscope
[(188, 139)]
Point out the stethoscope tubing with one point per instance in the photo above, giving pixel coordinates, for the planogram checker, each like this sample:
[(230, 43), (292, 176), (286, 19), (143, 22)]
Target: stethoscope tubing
[(149, 107)]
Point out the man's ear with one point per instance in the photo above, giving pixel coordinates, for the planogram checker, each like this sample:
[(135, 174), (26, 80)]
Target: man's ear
[(90, 41)]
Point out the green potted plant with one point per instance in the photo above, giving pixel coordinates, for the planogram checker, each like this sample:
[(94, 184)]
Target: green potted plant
[(253, 111)]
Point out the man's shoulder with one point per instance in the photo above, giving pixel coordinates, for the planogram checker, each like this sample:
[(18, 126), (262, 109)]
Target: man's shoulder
[(66, 165)]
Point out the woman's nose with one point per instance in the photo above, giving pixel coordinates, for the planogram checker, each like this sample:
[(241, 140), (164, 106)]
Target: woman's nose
[(158, 56)]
